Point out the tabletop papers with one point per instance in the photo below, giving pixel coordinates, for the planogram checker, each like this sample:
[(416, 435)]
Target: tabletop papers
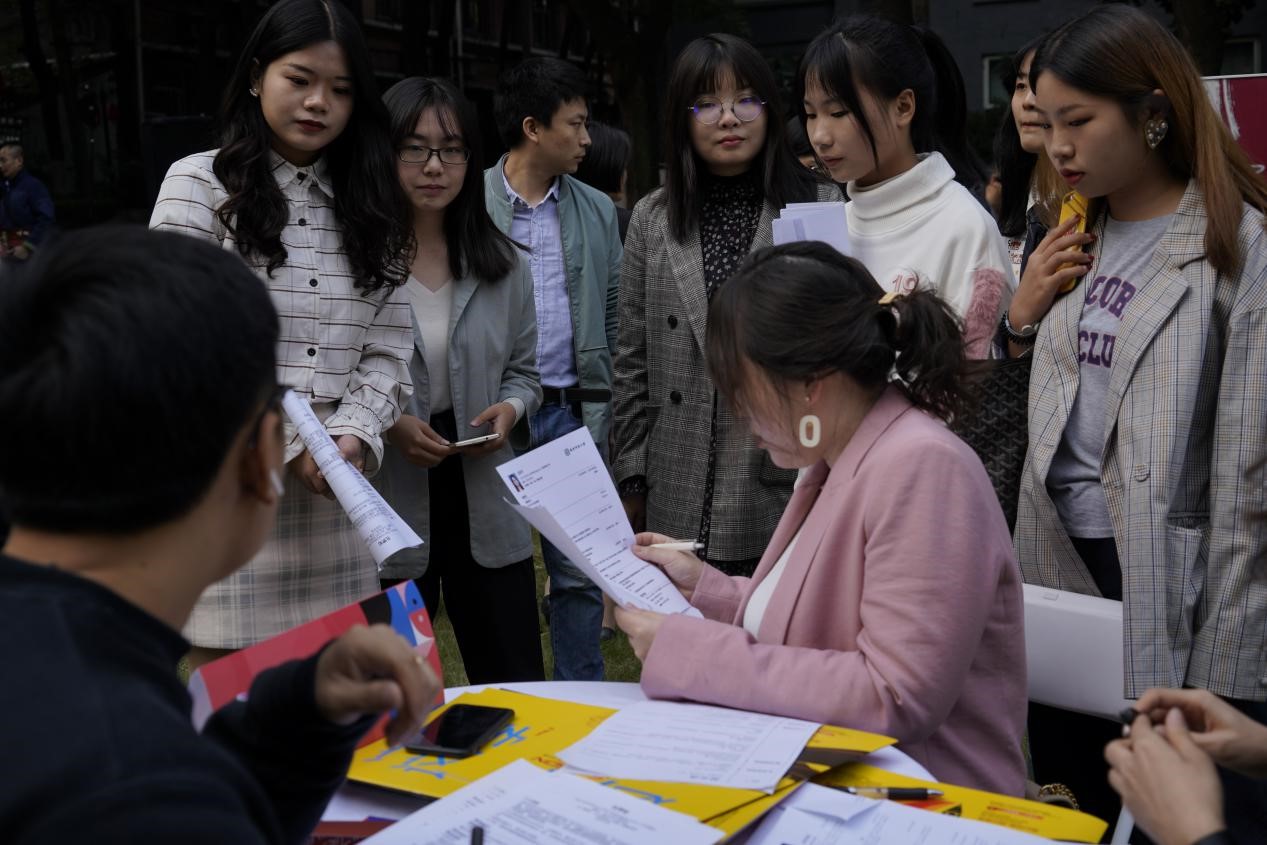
[(565, 491), (379, 526), (520, 804), (692, 743), (816, 815), (813, 221)]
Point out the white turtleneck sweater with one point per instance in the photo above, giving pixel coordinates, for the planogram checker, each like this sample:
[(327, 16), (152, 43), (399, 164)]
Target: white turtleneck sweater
[(924, 228)]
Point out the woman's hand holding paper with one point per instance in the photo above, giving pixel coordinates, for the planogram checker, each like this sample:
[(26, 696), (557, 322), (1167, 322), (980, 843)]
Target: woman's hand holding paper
[(683, 568), (640, 626)]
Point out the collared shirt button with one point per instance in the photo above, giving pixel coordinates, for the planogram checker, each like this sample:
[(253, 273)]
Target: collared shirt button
[(311, 352), (300, 175), (672, 322), (312, 282), (675, 397), (303, 222)]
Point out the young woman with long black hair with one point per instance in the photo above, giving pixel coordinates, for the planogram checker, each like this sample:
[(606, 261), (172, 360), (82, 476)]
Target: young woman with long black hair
[(686, 466), (884, 107), (1147, 461), (302, 187), (474, 372)]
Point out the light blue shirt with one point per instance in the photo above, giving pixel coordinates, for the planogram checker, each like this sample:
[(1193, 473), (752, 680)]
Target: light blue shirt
[(537, 227)]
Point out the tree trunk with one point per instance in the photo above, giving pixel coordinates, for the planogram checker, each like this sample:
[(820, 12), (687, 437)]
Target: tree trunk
[(45, 80)]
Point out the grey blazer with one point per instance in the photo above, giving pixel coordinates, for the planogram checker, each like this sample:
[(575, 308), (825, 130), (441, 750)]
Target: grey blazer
[(664, 396), (492, 357), (1184, 465)]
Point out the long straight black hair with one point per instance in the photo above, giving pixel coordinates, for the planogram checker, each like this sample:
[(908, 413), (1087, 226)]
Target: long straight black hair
[(369, 204), (699, 69), (472, 237), (1016, 167), (886, 58)]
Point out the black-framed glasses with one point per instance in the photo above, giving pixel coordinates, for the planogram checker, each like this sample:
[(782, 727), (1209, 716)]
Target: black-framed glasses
[(272, 403), (708, 111), (421, 154)]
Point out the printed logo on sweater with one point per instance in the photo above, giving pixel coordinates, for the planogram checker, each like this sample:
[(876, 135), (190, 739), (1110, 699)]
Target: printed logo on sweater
[(1105, 301)]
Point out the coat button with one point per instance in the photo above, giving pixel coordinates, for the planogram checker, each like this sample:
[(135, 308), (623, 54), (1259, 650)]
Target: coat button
[(303, 222), (675, 398), (300, 175), (311, 352), (312, 282), (672, 322)]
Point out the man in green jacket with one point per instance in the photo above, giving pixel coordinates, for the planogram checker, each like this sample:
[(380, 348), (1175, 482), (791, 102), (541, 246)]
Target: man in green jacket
[(574, 252)]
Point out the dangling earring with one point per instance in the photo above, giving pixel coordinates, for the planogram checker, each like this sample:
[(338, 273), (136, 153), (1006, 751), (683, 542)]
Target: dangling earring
[(279, 486), (811, 431), (254, 93), (1155, 132)]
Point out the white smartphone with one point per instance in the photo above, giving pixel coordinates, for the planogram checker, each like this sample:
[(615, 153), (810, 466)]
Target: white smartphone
[(475, 441)]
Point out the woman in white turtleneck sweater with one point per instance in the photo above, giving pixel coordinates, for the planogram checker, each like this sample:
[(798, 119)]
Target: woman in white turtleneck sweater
[(892, 129)]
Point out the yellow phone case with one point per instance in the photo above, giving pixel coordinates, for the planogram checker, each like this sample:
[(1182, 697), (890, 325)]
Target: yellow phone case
[(1074, 203)]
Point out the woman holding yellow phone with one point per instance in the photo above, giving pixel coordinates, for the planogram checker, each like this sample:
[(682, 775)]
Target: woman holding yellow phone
[(1147, 464)]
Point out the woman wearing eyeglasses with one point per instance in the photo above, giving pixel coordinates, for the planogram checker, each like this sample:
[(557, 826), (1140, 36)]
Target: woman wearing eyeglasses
[(685, 465), (475, 374)]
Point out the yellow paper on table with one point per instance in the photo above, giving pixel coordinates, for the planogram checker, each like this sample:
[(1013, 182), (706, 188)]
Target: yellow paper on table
[(543, 726), (1015, 813)]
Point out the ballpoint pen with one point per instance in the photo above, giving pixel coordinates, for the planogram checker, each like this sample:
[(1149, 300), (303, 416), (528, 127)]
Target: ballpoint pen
[(477, 835), (678, 547), (894, 793)]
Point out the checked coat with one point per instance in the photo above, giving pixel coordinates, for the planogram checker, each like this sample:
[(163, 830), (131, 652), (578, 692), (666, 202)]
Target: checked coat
[(664, 396), (1184, 465)]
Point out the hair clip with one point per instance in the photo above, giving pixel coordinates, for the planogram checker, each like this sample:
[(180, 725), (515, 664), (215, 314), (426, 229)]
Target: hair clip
[(890, 297)]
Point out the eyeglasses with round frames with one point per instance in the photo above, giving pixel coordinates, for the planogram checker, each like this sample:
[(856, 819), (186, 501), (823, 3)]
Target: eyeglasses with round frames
[(708, 111), (420, 154)]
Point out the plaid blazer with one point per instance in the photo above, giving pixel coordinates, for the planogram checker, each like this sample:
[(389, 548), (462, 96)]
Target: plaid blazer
[(1184, 464), (664, 396)]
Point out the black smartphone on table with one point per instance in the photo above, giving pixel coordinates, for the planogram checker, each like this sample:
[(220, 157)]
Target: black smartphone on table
[(459, 731)]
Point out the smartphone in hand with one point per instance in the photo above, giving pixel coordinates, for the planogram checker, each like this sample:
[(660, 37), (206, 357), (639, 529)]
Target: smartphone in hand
[(1073, 204), (459, 731), (475, 441)]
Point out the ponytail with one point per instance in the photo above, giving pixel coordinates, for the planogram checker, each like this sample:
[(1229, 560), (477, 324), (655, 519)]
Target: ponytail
[(930, 359), (802, 310), (950, 113)]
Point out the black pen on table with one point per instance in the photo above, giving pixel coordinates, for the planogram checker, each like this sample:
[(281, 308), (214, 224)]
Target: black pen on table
[(477, 835), (894, 793)]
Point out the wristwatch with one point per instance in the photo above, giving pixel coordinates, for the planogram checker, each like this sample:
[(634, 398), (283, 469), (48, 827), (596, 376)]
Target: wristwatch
[(1024, 336)]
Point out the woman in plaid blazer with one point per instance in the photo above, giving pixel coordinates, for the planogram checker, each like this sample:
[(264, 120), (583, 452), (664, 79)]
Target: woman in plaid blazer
[(1146, 477), (686, 466)]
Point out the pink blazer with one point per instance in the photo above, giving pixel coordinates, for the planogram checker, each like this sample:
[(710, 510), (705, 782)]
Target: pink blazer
[(899, 610)]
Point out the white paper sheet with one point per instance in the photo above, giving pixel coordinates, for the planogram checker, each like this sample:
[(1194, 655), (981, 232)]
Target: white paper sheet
[(379, 526), (816, 815), (692, 743), (564, 490), (520, 804), (813, 221)]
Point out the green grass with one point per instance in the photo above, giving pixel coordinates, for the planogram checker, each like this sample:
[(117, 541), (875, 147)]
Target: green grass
[(618, 657)]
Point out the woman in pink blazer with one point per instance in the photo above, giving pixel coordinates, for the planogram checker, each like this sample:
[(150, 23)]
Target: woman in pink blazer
[(889, 599)]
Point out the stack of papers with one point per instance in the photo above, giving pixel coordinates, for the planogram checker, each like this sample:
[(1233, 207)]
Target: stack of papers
[(816, 815), (523, 805), (692, 743), (564, 490), (813, 221)]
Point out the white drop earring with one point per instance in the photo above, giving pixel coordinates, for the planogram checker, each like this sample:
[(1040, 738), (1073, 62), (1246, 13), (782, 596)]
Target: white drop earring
[(811, 431), (279, 486)]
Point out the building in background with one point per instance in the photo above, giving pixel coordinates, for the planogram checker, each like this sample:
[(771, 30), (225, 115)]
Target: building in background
[(104, 94)]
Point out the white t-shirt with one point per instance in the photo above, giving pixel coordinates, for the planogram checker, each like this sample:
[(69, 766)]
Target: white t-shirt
[(754, 612), (433, 311)]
